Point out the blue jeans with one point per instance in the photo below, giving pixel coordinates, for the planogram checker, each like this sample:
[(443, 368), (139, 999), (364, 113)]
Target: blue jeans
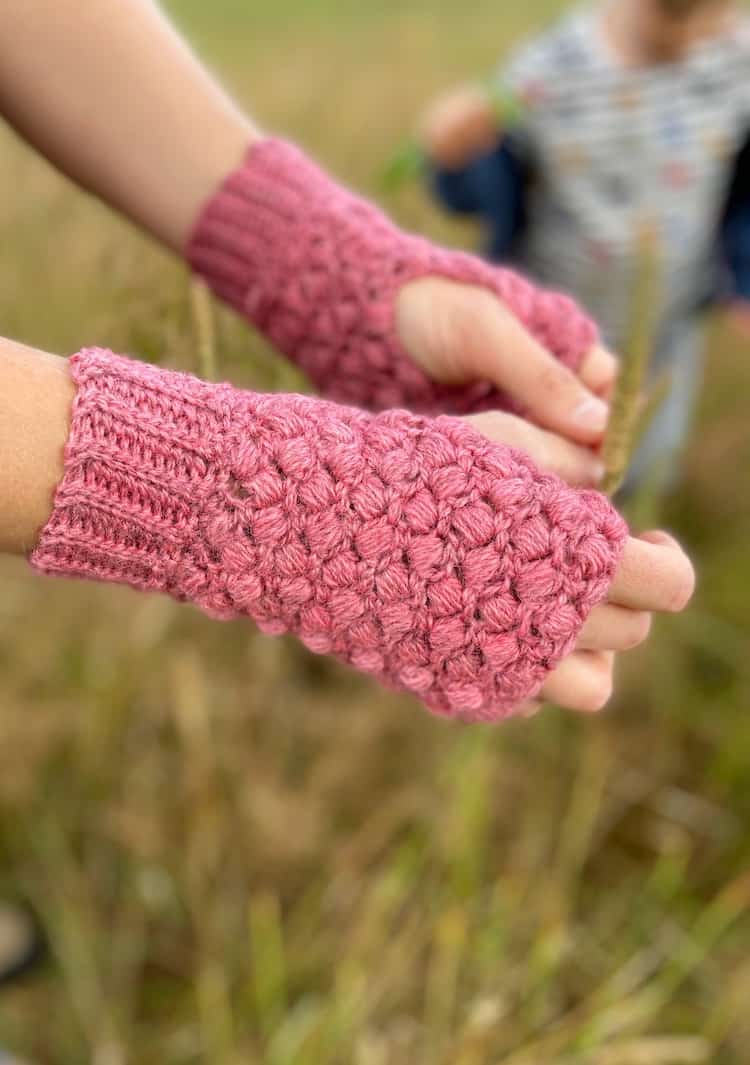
[(679, 353)]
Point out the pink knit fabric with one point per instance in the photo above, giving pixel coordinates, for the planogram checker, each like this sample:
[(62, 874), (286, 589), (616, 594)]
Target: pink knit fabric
[(409, 547), (317, 270)]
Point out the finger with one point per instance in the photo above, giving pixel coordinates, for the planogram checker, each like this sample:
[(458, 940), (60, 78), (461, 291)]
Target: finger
[(577, 465), (598, 371), (660, 536), (654, 574), (582, 682), (613, 628), (529, 709), (502, 351)]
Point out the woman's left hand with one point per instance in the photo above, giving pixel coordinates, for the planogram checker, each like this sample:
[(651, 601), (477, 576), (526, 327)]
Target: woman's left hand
[(459, 333), (379, 318)]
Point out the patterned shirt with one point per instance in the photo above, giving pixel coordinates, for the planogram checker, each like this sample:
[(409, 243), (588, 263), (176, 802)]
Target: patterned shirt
[(612, 149)]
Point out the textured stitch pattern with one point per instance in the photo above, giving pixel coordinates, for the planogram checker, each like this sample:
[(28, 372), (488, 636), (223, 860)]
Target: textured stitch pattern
[(409, 547), (317, 270)]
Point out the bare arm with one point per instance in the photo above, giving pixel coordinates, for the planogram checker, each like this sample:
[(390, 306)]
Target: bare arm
[(460, 126), (111, 95), (36, 394)]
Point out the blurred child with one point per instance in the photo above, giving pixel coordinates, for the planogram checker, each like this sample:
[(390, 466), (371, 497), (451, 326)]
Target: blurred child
[(629, 114)]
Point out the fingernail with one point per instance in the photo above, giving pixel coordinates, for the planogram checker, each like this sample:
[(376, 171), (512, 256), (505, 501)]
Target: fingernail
[(592, 413)]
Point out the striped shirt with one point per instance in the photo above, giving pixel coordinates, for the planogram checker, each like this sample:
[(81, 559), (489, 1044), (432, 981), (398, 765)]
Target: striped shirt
[(614, 148)]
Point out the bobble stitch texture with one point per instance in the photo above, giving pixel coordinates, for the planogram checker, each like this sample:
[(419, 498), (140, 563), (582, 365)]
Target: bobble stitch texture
[(317, 270), (409, 547)]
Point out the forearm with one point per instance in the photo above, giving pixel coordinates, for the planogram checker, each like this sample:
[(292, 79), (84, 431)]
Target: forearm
[(111, 95), (36, 394), (271, 507)]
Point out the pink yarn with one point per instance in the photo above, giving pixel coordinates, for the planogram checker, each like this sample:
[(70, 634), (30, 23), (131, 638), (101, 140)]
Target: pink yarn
[(409, 547), (317, 270)]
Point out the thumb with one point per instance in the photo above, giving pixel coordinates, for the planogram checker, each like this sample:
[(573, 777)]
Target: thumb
[(499, 349)]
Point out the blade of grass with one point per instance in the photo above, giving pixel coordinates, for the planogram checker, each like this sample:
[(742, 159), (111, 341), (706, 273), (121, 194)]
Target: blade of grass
[(644, 310), (204, 328), (269, 963)]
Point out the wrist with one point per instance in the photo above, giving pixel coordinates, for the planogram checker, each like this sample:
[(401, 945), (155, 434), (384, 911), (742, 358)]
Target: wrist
[(38, 397), (145, 450)]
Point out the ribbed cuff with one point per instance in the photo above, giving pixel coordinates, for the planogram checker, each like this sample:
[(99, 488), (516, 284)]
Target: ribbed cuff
[(243, 243), (142, 456)]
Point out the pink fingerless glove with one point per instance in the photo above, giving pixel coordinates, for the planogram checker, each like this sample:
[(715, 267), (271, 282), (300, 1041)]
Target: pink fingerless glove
[(411, 548), (317, 270)]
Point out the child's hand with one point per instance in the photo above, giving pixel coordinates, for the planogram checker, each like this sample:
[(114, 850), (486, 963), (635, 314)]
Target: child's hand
[(738, 313), (459, 127)]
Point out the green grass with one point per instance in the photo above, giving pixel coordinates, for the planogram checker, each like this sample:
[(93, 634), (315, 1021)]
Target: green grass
[(244, 854)]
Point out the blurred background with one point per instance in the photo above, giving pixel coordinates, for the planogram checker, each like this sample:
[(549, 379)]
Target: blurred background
[(241, 853)]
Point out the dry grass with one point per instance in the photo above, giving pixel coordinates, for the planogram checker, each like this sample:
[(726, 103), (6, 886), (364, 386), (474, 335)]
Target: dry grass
[(243, 854)]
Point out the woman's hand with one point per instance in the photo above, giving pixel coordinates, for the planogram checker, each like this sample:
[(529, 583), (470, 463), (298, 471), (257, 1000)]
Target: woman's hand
[(552, 453), (654, 576), (378, 318), (459, 126), (459, 333)]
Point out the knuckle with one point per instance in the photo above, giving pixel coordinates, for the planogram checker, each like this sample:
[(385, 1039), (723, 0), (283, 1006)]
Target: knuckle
[(553, 380)]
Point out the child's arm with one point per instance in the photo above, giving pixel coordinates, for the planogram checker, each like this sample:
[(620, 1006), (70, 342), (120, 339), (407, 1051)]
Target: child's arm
[(110, 94), (477, 147), (492, 188), (460, 127), (346, 528)]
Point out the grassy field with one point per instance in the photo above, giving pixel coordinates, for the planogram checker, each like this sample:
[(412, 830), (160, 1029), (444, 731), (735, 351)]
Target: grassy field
[(244, 854)]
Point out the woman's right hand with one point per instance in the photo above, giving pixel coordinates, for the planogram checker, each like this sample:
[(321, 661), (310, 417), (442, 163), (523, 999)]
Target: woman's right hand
[(654, 576), (459, 127)]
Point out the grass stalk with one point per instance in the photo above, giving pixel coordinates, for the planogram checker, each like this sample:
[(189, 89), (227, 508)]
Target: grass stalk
[(621, 435), (204, 328)]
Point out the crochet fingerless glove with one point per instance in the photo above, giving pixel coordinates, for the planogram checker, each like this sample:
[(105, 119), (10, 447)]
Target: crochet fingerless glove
[(411, 548), (317, 270)]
